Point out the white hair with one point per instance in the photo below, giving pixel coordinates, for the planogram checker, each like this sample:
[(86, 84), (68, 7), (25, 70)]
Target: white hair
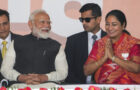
[(32, 15)]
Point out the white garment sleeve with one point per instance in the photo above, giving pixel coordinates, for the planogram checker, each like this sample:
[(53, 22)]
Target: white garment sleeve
[(7, 69), (61, 67)]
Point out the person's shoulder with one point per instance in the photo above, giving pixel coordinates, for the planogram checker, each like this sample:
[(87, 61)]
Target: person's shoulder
[(21, 37), (78, 35), (131, 38), (14, 36)]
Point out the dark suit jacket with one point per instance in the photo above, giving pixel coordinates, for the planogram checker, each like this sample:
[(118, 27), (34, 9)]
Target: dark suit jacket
[(13, 36), (76, 53)]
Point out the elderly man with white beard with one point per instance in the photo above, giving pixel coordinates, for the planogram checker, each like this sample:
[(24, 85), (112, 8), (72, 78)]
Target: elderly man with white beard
[(35, 58)]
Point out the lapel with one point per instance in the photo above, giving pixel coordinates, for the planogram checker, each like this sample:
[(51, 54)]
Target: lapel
[(103, 33), (84, 43), (13, 36)]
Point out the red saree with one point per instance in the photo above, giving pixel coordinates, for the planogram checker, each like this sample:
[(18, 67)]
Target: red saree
[(110, 72)]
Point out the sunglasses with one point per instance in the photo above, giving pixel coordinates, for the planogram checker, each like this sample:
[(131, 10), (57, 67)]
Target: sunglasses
[(86, 19)]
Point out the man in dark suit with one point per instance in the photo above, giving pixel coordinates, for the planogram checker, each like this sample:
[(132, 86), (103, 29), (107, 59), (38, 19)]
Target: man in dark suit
[(78, 46), (5, 33)]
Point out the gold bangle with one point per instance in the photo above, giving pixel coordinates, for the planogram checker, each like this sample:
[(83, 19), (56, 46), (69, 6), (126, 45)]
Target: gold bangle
[(113, 58), (96, 64)]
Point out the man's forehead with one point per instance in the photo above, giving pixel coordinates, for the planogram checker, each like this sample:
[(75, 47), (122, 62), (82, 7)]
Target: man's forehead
[(3, 18), (42, 17)]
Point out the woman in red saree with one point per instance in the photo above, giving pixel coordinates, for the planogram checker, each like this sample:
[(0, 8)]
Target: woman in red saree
[(115, 59)]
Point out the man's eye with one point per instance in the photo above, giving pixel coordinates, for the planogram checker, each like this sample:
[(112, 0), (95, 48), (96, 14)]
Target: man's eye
[(42, 22), (5, 23), (114, 24), (107, 24)]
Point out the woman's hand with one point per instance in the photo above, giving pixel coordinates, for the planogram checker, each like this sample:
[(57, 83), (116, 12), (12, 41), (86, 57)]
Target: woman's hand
[(106, 52), (109, 49)]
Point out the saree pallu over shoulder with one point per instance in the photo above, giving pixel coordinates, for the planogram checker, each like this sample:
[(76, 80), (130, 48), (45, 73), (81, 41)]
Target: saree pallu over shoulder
[(125, 48)]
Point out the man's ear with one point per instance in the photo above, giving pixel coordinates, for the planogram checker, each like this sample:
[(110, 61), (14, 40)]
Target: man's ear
[(99, 19), (30, 24)]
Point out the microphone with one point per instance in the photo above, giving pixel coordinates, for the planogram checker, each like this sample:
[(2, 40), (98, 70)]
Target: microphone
[(4, 83)]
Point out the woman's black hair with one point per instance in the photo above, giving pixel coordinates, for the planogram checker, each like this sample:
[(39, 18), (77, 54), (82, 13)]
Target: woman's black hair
[(119, 15)]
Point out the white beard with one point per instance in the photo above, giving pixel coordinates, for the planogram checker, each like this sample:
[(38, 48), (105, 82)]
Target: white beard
[(39, 33)]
